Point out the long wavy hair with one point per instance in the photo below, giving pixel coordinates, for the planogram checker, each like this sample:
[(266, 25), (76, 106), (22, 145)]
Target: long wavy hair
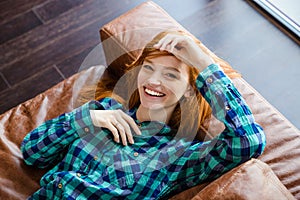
[(191, 114)]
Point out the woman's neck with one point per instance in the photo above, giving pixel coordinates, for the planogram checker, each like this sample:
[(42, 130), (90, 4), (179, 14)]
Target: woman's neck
[(161, 115)]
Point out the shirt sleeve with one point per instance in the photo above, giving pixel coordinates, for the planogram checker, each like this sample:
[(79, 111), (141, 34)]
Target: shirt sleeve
[(241, 139), (46, 144)]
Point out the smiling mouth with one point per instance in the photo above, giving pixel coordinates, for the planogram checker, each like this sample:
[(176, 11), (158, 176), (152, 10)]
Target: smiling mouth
[(153, 93)]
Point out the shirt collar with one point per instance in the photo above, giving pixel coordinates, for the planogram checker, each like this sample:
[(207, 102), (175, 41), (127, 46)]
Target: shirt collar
[(150, 128)]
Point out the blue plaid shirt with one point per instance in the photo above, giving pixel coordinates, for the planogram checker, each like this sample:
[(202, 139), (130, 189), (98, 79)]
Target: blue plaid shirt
[(87, 164)]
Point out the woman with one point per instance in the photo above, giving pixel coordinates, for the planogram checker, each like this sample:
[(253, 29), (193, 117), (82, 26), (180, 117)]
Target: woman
[(139, 143)]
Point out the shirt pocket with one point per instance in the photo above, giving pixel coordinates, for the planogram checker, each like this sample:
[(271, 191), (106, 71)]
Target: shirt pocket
[(120, 178)]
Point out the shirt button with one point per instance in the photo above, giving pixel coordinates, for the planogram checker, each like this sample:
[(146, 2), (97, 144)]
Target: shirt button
[(209, 80), (78, 175), (96, 158), (59, 185), (86, 129), (227, 108), (135, 154)]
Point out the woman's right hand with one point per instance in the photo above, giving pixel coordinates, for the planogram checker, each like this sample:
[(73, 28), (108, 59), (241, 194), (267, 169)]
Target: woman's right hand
[(185, 49), (117, 122)]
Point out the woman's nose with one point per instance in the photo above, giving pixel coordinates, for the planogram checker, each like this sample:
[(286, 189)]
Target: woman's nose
[(155, 79)]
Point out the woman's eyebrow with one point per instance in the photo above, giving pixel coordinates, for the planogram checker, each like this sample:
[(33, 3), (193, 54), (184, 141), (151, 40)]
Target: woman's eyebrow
[(148, 61), (166, 67), (173, 69)]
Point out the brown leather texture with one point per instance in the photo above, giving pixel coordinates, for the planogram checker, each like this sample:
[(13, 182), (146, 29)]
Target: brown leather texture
[(259, 182), (280, 175), (252, 180)]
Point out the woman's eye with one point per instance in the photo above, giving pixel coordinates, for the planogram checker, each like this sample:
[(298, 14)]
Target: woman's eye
[(170, 75), (148, 67)]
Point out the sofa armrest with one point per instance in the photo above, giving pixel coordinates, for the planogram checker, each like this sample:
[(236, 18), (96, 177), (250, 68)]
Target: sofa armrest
[(251, 180), (17, 180)]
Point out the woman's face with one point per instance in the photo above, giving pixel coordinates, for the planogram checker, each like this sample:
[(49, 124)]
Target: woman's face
[(162, 81)]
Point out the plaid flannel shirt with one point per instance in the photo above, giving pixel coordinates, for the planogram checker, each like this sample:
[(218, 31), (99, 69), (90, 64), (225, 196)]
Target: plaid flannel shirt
[(88, 164)]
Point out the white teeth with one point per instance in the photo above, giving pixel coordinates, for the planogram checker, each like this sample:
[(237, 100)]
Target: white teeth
[(153, 93)]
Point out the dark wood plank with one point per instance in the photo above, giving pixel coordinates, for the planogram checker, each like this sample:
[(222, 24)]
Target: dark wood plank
[(18, 48), (54, 8), (54, 52), (78, 18), (12, 8), (29, 88), (213, 14), (89, 57), (180, 10), (119, 7), (71, 65), (3, 84), (79, 29), (18, 26)]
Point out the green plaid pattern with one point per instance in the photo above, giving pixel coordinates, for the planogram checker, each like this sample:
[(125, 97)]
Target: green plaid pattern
[(86, 163)]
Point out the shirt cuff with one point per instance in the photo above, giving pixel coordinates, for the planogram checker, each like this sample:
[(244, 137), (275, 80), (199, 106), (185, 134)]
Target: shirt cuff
[(218, 91), (212, 77)]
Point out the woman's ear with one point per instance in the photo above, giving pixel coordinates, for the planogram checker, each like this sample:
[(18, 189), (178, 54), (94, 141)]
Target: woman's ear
[(188, 92)]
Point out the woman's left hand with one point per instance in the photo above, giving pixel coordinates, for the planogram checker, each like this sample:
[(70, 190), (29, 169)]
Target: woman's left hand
[(185, 49)]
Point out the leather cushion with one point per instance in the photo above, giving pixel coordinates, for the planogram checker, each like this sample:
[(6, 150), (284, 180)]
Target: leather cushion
[(259, 182)]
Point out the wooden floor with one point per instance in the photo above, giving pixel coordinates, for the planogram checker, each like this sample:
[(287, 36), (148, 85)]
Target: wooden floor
[(43, 42)]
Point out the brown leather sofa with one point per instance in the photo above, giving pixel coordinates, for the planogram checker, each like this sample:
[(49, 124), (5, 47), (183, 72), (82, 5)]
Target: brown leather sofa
[(274, 175)]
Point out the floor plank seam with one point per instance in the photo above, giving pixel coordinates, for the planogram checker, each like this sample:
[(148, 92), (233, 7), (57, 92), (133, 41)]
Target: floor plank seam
[(58, 71), (5, 80), (38, 16)]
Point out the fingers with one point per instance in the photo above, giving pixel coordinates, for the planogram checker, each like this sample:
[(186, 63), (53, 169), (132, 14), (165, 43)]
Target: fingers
[(114, 132), (131, 123), (175, 45), (122, 134), (185, 49), (170, 42), (124, 131), (125, 122), (119, 123), (163, 43)]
